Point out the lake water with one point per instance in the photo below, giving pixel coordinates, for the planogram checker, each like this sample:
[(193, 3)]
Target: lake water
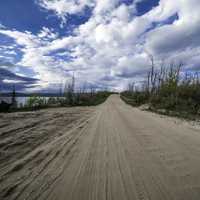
[(21, 101)]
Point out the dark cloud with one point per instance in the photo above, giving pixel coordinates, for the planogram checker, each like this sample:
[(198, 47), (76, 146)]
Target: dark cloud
[(4, 63), (132, 74), (20, 82), (170, 38)]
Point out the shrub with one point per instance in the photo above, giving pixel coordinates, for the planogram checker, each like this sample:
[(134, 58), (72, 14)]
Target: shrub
[(169, 89), (36, 102)]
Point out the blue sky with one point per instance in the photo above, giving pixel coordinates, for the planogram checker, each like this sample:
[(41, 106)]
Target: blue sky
[(105, 43)]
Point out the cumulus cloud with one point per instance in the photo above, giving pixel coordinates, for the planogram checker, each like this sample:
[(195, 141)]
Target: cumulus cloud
[(112, 47), (46, 68), (64, 7), (180, 35)]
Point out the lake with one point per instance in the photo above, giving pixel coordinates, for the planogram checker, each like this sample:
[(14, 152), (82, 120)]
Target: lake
[(21, 101)]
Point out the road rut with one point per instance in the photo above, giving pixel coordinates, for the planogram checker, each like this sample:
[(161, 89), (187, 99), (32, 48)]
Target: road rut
[(113, 152)]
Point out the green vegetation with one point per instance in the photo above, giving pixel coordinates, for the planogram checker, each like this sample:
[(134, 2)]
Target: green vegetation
[(168, 91), (66, 98), (36, 102), (91, 99)]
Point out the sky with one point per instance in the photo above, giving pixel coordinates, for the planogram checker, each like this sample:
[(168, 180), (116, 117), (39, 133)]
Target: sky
[(105, 44)]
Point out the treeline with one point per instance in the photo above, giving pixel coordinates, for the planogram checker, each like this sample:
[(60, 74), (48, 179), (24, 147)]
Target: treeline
[(75, 99), (168, 90), (66, 97)]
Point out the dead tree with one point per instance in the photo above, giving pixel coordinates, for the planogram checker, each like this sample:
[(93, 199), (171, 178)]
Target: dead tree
[(69, 91)]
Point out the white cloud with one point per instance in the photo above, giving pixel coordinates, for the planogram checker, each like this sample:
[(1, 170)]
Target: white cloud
[(63, 7), (13, 81), (48, 69), (48, 34), (112, 47), (182, 34)]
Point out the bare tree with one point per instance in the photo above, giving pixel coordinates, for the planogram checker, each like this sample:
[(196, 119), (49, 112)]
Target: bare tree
[(69, 91), (13, 100), (131, 87)]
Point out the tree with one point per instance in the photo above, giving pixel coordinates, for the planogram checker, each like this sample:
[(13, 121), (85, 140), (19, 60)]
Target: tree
[(69, 91), (14, 101)]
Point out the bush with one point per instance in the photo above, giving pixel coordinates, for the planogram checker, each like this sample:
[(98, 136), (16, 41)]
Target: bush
[(36, 102), (169, 90)]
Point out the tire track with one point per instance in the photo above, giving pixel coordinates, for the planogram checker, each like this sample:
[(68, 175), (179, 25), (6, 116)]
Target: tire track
[(115, 153)]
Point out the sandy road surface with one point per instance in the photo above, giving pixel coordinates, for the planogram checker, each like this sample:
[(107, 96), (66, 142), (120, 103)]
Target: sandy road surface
[(112, 152)]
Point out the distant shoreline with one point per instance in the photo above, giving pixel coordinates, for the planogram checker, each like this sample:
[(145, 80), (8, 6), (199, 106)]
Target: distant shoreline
[(31, 95)]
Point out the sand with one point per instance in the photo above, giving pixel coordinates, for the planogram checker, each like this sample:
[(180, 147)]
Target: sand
[(109, 152)]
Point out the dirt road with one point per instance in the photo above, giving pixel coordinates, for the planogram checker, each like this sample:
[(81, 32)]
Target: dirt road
[(111, 152)]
